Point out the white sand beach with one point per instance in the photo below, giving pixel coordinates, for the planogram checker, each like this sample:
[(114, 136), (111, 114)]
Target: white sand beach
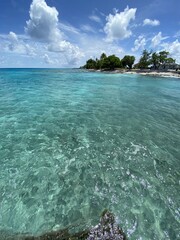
[(153, 73)]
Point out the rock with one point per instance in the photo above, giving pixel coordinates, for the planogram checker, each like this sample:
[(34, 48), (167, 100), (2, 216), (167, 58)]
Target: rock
[(107, 229)]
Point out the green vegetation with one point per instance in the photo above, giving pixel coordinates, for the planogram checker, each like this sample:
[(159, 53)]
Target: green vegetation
[(128, 61), (109, 62), (155, 60), (147, 60)]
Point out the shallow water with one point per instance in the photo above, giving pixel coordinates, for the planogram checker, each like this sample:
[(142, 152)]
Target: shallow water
[(73, 143)]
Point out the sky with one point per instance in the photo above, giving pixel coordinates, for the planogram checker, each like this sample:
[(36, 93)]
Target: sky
[(65, 33)]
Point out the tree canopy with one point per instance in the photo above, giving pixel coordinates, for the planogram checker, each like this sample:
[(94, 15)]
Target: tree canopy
[(111, 62), (91, 64), (105, 62), (154, 59), (145, 59), (148, 59), (128, 61)]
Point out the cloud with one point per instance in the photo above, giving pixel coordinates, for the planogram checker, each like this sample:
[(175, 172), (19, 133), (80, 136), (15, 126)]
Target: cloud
[(31, 51), (70, 52), (13, 37), (139, 44), (2, 60), (19, 46), (117, 24), (150, 22), (43, 23), (173, 48), (156, 40), (44, 26), (47, 59), (87, 28), (68, 28), (13, 41), (61, 46), (95, 18), (177, 34), (94, 46)]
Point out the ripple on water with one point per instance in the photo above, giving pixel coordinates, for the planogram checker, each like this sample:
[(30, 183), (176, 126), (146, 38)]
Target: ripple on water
[(75, 143)]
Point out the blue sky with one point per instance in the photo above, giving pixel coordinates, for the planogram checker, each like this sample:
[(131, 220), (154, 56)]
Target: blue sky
[(65, 33)]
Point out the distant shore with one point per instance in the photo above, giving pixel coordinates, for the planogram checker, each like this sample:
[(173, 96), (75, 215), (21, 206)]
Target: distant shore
[(145, 72), (155, 73)]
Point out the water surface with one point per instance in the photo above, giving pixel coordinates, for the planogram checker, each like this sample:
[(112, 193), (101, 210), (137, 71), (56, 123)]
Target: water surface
[(73, 143)]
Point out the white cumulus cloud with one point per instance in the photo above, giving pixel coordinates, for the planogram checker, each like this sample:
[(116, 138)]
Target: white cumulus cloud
[(173, 48), (60, 46), (71, 52), (19, 46), (13, 41), (150, 22), (43, 23), (139, 44), (117, 26), (13, 37)]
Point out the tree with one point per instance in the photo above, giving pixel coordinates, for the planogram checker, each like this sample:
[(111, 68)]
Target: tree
[(111, 62), (170, 60), (145, 59), (90, 64), (103, 56), (128, 61), (98, 63), (155, 60), (163, 55), (161, 58)]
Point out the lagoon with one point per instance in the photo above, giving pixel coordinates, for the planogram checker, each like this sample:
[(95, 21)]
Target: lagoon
[(73, 143)]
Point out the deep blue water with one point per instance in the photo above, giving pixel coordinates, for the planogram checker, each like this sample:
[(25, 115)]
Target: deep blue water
[(73, 143)]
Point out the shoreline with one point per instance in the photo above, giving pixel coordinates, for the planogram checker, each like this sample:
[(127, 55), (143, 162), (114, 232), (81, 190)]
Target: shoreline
[(155, 73), (146, 72)]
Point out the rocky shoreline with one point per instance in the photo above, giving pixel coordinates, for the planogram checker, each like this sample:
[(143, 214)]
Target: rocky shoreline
[(155, 73), (146, 72)]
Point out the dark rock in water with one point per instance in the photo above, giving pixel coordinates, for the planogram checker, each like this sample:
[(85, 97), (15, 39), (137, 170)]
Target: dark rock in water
[(107, 229)]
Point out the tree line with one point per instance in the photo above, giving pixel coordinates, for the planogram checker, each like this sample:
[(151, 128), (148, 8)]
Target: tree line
[(153, 59), (109, 62), (147, 59)]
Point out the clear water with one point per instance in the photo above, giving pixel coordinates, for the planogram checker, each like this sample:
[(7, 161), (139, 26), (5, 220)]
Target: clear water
[(73, 143)]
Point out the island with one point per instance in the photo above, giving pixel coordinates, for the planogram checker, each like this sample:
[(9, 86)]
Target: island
[(150, 63)]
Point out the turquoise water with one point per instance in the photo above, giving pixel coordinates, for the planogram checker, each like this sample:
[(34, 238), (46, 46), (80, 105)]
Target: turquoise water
[(73, 143)]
